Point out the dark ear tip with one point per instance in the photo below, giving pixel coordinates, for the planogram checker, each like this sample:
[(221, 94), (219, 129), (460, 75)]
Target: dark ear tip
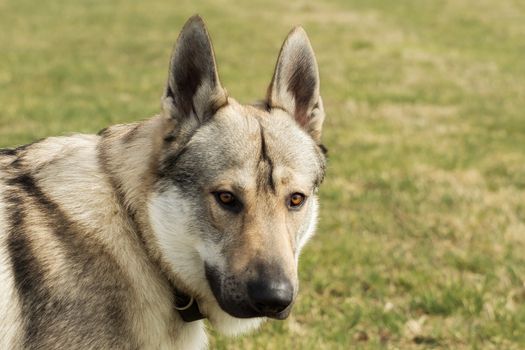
[(194, 31), (195, 21), (195, 18)]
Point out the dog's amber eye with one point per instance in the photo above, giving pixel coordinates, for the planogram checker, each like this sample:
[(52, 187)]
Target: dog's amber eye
[(296, 200), (228, 201), (226, 197)]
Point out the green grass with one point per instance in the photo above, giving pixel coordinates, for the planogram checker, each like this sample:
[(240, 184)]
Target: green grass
[(422, 234)]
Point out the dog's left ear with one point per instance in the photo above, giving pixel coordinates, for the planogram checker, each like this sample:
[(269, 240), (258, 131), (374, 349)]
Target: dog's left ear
[(295, 83), (194, 92)]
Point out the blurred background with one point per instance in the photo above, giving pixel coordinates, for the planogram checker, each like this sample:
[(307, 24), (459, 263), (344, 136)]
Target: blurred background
[(421, 242)]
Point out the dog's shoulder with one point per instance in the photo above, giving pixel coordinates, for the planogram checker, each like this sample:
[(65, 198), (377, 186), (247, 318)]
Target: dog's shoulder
[(62, 229)]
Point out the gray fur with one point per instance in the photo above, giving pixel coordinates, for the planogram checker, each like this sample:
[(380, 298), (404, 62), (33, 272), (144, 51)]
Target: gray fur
[(96, 231)]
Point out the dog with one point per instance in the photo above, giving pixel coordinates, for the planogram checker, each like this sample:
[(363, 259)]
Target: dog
[(131, 238)]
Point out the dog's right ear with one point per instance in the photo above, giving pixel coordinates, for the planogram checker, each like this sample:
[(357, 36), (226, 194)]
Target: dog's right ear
[(193, 93), (295, 83)]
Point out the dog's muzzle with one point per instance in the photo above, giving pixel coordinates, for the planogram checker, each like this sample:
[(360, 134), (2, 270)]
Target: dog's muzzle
[(268, 293)]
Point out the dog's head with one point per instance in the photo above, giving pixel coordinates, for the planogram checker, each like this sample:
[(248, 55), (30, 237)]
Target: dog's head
[(236, 196)]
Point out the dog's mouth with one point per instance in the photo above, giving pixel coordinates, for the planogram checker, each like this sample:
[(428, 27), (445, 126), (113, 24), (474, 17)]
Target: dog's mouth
[(256, 300)]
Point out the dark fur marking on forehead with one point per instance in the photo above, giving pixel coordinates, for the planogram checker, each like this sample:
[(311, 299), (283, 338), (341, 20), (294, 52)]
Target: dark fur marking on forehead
[(98, 311), (265, 172)]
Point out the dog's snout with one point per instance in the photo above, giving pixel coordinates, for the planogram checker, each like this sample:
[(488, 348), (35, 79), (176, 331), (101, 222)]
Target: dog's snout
[(271, 297)]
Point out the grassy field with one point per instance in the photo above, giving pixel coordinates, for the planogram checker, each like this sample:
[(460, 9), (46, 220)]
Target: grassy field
[(421, 241)]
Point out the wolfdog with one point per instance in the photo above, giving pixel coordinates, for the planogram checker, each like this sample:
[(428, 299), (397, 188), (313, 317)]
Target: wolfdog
[(130, 238)]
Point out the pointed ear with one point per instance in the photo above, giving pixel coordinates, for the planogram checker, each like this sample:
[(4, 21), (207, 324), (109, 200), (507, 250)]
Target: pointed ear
[(295, 83), (193, 89)]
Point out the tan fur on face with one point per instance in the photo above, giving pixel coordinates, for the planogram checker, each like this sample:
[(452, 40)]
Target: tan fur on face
[(266, 229)]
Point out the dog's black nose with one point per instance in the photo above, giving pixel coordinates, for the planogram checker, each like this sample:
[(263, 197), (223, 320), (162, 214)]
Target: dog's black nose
[(271, 297)]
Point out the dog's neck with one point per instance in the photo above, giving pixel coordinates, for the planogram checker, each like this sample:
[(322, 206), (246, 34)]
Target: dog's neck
[(130, 154)]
